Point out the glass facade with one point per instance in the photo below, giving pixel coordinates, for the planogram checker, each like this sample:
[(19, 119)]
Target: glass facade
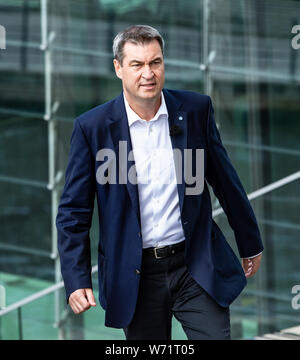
[(58, 64)]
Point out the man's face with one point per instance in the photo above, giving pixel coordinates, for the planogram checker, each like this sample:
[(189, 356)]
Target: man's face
[(142, 72)]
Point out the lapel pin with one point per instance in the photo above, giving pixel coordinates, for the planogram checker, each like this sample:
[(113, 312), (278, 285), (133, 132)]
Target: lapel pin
[(180, 118)]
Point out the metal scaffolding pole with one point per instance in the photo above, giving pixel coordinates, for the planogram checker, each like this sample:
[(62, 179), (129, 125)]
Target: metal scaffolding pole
[(208, 56), (49, 116)]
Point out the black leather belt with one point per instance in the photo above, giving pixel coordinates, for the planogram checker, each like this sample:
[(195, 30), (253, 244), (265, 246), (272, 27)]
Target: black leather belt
[(164, 251)]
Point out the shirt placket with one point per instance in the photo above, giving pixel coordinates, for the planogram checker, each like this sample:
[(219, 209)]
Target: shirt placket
[(154, 176)]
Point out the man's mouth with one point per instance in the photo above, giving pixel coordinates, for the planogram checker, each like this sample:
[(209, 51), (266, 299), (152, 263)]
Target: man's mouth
[(150, 85)]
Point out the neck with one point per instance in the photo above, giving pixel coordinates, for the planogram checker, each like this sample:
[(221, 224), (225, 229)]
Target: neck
[(147, 109)]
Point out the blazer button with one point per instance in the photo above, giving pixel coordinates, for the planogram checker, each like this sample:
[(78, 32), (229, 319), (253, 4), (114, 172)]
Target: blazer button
[(137, 271)]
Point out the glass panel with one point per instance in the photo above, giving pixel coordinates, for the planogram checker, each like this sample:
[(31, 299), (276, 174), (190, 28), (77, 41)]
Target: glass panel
[(24, 149), (9, 326), (25, 244), (256, 98), (25, 230), (21, 20), (257, 113), (22, 62)]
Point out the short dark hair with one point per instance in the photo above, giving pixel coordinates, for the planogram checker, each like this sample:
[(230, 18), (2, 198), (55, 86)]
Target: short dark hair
[(136, 34)]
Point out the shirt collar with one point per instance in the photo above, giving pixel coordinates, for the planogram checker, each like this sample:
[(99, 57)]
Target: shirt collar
[(133, 117)]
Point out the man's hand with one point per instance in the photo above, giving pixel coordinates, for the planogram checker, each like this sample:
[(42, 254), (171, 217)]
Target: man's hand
[(251, 266), (81, 300)]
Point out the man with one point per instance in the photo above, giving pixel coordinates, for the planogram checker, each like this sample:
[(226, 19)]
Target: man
[(160, 252)]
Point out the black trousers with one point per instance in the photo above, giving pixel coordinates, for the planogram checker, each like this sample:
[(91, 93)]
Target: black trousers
[(167, 289)]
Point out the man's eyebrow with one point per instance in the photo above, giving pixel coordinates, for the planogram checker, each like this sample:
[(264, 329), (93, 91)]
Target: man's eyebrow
[(141, 62), (157, 58), (135, 61)]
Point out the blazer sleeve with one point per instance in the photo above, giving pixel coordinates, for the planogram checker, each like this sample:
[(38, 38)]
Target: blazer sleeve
[(75, 213), (227, 187)]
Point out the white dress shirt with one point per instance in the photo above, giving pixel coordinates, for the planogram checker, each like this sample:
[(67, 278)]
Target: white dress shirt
[(157, 186)]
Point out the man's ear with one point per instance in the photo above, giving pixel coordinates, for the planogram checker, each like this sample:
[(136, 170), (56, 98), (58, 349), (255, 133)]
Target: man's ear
[(118, 68)]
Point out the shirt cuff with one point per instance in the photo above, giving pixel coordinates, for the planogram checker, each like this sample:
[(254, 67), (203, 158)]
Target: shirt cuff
[(250, 257)]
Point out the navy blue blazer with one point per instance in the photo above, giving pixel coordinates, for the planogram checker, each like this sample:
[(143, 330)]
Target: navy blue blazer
[(208, 257)]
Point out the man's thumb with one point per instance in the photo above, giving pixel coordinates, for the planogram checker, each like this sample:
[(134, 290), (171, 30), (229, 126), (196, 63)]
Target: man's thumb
[(90, 297)]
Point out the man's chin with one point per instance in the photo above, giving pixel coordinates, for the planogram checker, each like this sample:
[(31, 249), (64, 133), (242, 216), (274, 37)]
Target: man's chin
[(150, 93)]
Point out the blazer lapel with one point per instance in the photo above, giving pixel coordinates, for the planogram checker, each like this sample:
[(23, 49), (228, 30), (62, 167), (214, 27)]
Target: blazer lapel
[(179, 142), (119, 131)]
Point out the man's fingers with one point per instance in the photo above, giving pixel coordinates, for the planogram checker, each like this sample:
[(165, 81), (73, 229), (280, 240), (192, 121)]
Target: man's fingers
[(77, 308), (90, 297), (248, 267), (79, 305)]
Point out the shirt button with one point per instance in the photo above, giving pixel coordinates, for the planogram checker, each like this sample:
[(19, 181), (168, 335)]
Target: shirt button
[(137, 271)]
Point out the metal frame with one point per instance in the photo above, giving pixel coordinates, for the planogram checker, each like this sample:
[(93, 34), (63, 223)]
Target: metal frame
[(50, 108)]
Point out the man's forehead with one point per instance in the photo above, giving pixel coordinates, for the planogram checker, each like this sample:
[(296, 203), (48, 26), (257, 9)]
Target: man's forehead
[(138, 50)]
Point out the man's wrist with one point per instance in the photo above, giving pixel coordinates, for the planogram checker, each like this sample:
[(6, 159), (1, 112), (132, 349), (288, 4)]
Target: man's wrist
[(251, 257)]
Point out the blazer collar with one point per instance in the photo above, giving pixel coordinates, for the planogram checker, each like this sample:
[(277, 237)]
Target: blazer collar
[(119, 112)]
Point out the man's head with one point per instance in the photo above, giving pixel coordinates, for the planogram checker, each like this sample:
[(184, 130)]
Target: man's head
[(136, 34), (139, 63)]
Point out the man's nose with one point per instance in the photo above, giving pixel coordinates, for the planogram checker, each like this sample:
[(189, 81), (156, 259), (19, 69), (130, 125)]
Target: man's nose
[(147, 72)]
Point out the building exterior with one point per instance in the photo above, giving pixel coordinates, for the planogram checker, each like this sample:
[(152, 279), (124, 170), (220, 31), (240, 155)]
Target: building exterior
[(57, 63)]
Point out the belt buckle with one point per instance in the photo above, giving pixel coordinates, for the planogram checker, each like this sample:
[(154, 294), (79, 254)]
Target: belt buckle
[(155, 253)]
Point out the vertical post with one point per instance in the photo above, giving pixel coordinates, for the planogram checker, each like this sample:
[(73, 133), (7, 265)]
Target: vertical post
[(259, 172), (20, 323), (47, 38), (2, 305), (24, 35), (205, 59)]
